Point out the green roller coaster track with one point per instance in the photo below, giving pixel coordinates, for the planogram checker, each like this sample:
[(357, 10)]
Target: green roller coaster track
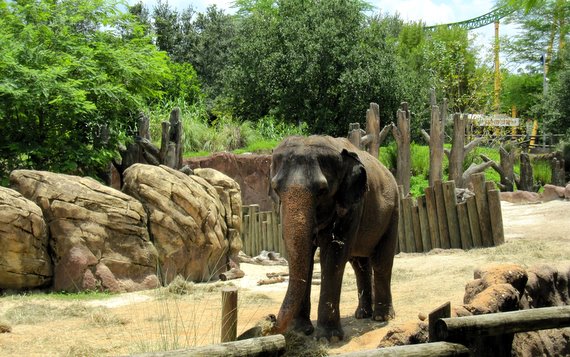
[(478, 21)]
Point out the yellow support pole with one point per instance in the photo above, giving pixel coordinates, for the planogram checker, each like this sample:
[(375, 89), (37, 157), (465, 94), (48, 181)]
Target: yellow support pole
[(534, 133)]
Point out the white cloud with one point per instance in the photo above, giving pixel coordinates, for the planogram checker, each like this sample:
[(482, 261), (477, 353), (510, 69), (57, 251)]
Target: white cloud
[(415, 10)]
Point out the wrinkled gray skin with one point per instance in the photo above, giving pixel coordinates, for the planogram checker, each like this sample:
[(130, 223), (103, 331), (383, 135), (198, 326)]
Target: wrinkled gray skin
[(344, 201)]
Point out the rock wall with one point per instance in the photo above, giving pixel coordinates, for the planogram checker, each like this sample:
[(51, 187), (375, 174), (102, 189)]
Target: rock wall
[(251, 172), (72, 233)]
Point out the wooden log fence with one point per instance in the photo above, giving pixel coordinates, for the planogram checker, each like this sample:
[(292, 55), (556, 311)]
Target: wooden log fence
[(438, 220), (261, 231)]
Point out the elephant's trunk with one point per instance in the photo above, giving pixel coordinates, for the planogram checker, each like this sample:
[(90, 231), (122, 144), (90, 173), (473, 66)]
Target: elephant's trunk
[(298, 222)]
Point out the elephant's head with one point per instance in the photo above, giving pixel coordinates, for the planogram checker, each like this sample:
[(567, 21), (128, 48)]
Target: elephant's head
[(316, 180)]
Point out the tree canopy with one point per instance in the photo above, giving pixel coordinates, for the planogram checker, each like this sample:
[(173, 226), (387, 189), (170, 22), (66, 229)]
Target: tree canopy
[(73, 77)]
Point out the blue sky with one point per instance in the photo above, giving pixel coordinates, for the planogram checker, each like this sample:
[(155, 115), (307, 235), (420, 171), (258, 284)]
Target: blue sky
[(432, 12)]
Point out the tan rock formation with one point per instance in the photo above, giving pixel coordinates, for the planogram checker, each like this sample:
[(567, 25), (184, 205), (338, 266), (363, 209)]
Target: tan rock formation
[(24, 259), (98, 235)]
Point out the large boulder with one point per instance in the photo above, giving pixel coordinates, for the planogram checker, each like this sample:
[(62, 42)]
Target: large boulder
[(24, 259), (98, 235), (187, 221), (229, 193)]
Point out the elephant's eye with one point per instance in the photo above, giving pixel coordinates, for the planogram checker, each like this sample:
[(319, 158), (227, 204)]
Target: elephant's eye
[(323, 192)]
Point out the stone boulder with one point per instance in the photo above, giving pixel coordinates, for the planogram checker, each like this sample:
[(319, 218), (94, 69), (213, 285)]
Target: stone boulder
[(98, 235), (251, 172), (24, 259), (187, 221), (229, 193)]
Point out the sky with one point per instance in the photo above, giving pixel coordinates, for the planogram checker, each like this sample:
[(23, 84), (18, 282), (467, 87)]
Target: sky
[(432, 12)]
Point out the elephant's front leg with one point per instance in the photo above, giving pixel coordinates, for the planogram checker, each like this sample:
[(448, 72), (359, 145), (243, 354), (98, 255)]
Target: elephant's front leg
[(334, 256), (302, 322)]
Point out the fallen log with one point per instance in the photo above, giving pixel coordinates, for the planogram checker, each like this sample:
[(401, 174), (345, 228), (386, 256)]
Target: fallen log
[(273, 345), (274, 280), (441, 349), (233, 273)]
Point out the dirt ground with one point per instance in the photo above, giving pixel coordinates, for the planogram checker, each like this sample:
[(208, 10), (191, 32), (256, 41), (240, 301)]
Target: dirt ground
[(159, 320)]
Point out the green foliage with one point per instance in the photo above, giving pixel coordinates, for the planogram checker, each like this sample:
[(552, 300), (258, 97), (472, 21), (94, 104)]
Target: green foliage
[(522, 91), (73, 76), (318, 62), (541, 172)]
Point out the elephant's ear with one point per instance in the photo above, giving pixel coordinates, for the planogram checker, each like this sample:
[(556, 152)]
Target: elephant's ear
[(354, 183)]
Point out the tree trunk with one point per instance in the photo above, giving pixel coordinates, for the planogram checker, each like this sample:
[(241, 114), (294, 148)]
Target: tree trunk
[(402, 135)]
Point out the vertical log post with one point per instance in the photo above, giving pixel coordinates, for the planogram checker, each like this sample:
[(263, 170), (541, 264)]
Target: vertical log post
[(372, 138), (424, 224), (433, 221), (401, 231), (494, 201), (229, 314), (442, 216), (402, 136), (507, 155), (464, 227), (526, 179), (478, 181), (450, 200), (355, 134), (474, 222), (417, 228), (435, 139), (442, 312), (408, 225)]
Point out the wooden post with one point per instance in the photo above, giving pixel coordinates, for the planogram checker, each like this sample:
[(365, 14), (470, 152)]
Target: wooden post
[(478, 181), (456, 156), (442, 220), (435, 139), (355, 134), (558, 173), (433, 221), (401, 231), (464, 227), (229, 314), (441, 312), (474, 222), (424, 224), (176, 137), (450, 200), (507, 155), (372, 138), (254, 229), (494, 201), (416, 228), (402, 135), (408, 225), (526, 178)]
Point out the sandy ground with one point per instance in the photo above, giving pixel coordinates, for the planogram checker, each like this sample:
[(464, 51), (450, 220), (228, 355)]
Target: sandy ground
[(156, 320)]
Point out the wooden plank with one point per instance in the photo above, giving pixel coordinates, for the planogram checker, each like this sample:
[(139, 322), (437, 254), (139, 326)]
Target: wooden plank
[(450, 200), (245, 234), (424, 224), (442, 220), (441, 312), (478, 182), (273, 345), (440, 349), (494, 201), (408, 225), (474, 222), (460, 328), (464, 228), (433, 220)]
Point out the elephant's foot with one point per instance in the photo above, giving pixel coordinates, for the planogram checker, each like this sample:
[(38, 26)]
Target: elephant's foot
[(303, 325), (329, 334), (383, 312), (363, 312)]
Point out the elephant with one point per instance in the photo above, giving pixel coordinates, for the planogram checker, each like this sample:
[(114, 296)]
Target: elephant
[(342, 200)]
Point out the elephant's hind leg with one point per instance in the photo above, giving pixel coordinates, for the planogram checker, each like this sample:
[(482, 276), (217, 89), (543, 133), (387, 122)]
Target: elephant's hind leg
[(382, 263), (361, 266)]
